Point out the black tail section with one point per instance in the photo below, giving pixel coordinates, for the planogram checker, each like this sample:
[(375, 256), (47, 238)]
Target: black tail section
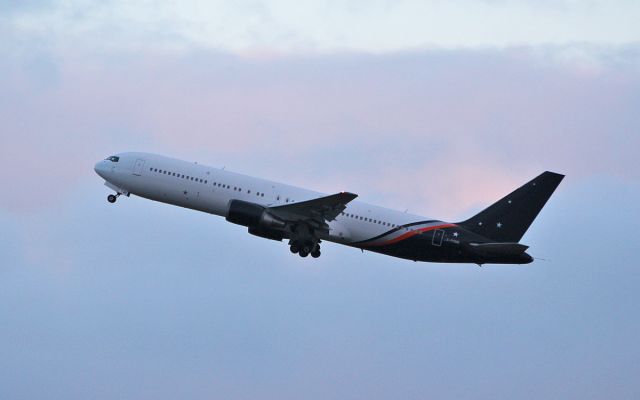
[(509, 218)]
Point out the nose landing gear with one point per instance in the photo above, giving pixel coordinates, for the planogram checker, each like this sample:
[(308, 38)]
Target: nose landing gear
[(112, 198)]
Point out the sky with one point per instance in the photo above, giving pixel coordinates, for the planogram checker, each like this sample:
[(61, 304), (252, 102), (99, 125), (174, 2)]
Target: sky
[(436, 107)]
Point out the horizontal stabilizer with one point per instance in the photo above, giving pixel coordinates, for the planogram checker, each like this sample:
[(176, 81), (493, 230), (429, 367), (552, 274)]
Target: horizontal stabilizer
[(498, 249)]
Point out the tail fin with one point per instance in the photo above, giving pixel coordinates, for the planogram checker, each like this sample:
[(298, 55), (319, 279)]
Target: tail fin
[(509, 218)]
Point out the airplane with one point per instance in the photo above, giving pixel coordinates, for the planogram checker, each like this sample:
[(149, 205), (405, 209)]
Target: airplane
[(305, 218)]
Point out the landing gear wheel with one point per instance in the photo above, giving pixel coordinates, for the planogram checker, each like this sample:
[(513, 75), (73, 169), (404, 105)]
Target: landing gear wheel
[(111, 198), (303, 253), (315, 253), (294, 249), (307, 248)]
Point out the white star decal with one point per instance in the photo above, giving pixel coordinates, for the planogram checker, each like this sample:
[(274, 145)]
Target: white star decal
[(455, 234), (499, 224)]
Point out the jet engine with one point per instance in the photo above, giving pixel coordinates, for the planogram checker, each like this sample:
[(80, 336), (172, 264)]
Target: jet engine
[(253, 216), (267, 233)]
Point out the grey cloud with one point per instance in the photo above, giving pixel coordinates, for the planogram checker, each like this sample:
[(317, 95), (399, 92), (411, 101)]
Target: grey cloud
[(144, 300)]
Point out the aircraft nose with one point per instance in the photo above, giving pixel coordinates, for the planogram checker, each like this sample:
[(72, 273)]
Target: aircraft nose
[(100, 168)]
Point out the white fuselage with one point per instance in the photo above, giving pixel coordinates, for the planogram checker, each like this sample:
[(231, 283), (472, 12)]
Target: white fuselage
[(209, 189)]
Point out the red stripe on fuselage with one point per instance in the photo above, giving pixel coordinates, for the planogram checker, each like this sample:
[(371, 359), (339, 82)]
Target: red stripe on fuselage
[(412, 233)]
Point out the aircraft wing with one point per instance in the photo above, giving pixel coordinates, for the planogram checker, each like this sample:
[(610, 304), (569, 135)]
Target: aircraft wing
[(317, 212)]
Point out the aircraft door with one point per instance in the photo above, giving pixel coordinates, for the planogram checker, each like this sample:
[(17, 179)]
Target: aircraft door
[(137, 167), (438, 235)]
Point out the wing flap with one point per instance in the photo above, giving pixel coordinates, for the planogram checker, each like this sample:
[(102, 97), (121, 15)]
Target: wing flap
[(320, 210)]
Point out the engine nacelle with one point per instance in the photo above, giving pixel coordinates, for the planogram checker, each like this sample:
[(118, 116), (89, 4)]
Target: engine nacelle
[(266, 233), (252, 215)]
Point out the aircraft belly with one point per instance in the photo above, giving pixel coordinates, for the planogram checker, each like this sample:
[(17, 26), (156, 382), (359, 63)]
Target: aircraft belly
[(421, 248)]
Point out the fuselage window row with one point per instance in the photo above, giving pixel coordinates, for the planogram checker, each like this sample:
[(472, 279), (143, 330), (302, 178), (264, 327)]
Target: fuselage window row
[(375, 221), (218, 184), (177, 175), (235, 188)]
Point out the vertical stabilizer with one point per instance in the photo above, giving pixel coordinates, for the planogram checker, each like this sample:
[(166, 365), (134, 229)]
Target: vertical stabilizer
[(509, 218)]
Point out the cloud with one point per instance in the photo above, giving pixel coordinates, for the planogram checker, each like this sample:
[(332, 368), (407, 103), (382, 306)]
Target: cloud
[(144, 300), (324, 26), (431, 112), (407, 126)]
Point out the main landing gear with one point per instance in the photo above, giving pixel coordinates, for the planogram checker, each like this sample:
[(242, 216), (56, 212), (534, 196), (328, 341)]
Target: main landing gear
[(305, 248)]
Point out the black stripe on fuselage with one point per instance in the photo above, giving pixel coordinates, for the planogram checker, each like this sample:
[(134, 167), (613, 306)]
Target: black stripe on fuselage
[(397, 228)]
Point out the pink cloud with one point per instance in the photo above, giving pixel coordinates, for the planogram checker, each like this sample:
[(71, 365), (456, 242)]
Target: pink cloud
[(400, 128)]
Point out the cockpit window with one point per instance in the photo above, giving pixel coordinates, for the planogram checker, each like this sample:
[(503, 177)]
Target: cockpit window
[(113, 158)]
